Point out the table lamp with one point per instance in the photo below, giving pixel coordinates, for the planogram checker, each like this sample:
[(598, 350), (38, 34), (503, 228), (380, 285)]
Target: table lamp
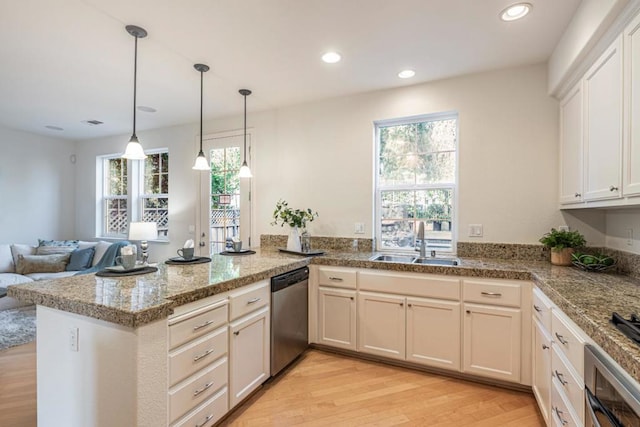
[(143, 231)]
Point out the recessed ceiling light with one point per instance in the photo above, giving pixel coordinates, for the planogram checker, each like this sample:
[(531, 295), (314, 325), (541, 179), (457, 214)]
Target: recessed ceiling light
[(54, 127), (406, 74), (146, 109), (515, 11), (331, 57)]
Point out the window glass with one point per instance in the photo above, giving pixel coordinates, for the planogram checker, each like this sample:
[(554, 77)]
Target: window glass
[(155, 196), (416, 182), (115, 212)]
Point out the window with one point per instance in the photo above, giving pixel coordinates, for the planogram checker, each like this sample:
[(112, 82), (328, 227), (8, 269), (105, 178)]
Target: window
[(225, 196), (134, 191), (416, 181)]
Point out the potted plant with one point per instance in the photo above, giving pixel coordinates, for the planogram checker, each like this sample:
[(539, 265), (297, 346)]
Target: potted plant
[(295, 219), (562, 244)]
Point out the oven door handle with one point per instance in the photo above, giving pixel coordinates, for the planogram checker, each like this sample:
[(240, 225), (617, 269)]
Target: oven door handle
[(594, 405)]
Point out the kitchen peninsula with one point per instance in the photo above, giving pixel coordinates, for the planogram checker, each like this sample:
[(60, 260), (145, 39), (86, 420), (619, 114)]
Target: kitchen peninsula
[(119, 373)]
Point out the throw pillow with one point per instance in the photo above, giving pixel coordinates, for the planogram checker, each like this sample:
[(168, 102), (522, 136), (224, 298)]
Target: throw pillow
[(42, 263), (80, 259), (19, 249), (48, 247), (101, 248)]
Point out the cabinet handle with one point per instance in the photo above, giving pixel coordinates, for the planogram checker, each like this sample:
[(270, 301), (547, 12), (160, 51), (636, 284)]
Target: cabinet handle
[(206, 420), (559, 415), (468, 311), (560, 378), (236, 333), (613, 188), (409, 305), (207, 386), (253, 301), (491, 294), (536, 308), (205, 324), (336, 279), (351, 298), (544, 346), (561, 339), (577, 195), (205, 354)]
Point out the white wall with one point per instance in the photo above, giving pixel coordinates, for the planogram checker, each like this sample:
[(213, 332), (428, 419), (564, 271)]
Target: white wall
[(619, 222), (320, 155), (37, 188)]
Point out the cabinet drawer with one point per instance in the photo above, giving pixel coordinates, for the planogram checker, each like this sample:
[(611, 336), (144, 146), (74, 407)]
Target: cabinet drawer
[(197, 323), (542, 308), (208, 413), (561, 412), (492, 292), (186, 360), (248, 299), (419, 285), (337, 277), (572, 386), (192, 392), (569, 341)]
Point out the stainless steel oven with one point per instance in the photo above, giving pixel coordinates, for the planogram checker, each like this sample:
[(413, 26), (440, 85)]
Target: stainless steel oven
[(612, 396)]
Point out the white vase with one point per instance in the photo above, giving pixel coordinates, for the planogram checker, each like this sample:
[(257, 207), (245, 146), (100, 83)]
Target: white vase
[(293, 242)]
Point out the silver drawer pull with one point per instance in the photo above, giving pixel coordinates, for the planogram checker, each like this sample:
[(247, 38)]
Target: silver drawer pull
[(561, 339), (491, 294), (577, 195), (204, 325), (207, 386), (206, 420), (613, 188), (560, 378), (253, 301), (336, 279), (205, 354), (544, 346), (536, 308), (559, 415)]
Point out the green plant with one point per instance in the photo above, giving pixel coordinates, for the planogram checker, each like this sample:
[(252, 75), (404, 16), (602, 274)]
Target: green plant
[(560, 239), (283, 214)]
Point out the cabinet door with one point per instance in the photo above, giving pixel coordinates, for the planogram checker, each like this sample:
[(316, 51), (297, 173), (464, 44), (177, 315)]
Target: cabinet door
[(603, 125), (571, 146), (492, 342), (631, 152), (337, 318), (433, 333), (542, 369), (248, 354), (381, 324)]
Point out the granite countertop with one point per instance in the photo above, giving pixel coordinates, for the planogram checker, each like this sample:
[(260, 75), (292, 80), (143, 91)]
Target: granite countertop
[(587, 298)]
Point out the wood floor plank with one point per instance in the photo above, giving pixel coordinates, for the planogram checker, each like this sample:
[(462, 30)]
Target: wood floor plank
[(18, 386), (326, 389)]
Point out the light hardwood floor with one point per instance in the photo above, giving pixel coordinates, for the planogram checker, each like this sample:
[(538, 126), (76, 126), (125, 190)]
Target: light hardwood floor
[(323, 389)]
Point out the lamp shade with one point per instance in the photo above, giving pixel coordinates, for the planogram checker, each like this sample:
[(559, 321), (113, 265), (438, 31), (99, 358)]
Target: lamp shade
[(143, 231), (134, 151), (201, 163)]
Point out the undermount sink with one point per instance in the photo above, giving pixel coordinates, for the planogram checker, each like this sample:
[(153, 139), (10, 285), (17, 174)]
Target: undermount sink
[(409, 259)]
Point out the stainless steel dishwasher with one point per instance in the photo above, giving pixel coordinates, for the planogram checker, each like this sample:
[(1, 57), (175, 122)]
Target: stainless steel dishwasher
[(289, 317)]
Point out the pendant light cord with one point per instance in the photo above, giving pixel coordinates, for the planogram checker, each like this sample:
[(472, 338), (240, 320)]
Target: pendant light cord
[(201, 102), (135, 75), (245, 128)]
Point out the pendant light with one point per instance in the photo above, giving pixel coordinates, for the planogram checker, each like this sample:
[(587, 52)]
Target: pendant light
[(134, 150), (201, 163), (245, 172)]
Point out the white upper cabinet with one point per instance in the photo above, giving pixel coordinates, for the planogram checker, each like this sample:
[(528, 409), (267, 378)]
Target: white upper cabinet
[(602, 86), (571, 146), (631, 164)]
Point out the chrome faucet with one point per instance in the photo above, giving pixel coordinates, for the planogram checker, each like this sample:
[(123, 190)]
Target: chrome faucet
[(423, 243)]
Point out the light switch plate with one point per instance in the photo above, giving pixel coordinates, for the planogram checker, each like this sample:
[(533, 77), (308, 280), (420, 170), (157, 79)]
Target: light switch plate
[(359, 229), (475, 230)]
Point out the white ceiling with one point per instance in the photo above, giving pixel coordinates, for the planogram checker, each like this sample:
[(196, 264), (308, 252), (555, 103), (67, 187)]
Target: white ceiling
[(66, 61)]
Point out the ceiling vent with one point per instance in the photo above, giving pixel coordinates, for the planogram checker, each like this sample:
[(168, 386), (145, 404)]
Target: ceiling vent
[(93, 122)]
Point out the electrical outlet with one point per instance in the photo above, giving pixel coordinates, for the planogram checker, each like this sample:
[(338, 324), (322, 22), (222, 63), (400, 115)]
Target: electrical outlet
[(359, 229), (629, 236), (73, 339), (563, 228), (475, 230)]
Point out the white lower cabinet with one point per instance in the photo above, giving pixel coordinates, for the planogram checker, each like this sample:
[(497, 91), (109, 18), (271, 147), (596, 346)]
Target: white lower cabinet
[(492, 342), (381, 325), (337, 317), (541, 378)]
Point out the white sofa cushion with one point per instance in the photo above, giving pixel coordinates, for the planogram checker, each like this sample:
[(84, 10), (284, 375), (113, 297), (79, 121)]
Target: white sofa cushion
[(85, 245), (49, 276), (6, 259), (9, 279), (101, 248)]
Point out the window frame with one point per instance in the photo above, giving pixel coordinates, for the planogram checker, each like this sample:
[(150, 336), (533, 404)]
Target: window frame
[(135, 193), (379, 189)]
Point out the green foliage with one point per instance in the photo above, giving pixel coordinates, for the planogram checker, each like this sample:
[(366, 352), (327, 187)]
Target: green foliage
[(560, 239), (595, 259), (283, 214)]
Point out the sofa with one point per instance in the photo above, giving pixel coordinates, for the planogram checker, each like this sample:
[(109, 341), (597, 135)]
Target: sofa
[(20, 263)]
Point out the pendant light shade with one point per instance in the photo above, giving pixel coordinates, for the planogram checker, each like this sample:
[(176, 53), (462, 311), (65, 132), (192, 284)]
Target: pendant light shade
[(201, 163), (245, 172), (134, 150)]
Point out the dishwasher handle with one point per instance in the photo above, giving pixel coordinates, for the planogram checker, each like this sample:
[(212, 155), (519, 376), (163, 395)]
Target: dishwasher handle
[(290, 278)]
